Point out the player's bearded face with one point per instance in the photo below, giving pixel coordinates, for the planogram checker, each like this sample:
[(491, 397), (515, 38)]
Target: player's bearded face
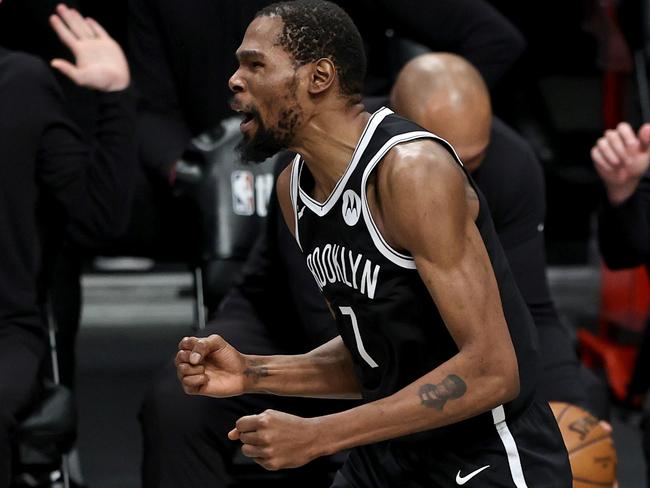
[(273, 132), (266, 140)]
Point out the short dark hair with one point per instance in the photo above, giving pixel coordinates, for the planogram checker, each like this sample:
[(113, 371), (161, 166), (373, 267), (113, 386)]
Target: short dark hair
[(315, 29)]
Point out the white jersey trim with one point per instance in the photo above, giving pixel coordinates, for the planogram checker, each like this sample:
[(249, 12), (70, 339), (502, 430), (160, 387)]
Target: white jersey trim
[(357, 336), (293, 187), (400, 259), (517, 472), (321, 209)]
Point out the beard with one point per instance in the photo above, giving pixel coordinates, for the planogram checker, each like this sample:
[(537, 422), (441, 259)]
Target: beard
[(268, 141), (265, 143)]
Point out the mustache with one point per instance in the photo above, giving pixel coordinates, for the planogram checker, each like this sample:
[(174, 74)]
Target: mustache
[(234, 105), (237, 107)]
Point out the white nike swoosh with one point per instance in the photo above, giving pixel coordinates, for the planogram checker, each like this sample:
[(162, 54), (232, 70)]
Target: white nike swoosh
[(461, 480), (302, 210)]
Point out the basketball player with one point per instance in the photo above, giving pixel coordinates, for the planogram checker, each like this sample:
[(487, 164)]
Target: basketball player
[(434, 335)]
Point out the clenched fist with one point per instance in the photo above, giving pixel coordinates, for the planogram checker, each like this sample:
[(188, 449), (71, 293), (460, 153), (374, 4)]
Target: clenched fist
[(278, 440), (212, 367)]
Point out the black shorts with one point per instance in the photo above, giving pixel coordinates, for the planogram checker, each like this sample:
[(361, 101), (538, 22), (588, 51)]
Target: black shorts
[(525, 453)]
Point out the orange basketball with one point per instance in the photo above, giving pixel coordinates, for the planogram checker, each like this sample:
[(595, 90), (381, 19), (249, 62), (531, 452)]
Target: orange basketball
[(591, 448)]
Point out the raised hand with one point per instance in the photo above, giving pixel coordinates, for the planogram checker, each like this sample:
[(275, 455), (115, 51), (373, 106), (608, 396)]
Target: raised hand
[(621, 157), (100, 63), (212, 367), (278, 440)]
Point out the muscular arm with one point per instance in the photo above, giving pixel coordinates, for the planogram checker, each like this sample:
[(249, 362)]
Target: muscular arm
[(420, 183), (325, 372), (212, 367)]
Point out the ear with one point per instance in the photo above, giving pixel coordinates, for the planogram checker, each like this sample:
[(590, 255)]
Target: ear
[(322, 76)]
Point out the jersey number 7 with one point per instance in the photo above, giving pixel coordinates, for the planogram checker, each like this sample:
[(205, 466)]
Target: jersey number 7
[(357, 336)]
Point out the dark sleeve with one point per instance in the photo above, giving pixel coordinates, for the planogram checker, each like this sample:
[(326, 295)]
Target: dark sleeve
[(518, 210), (93, 184), (624, 230), (523, 241), (527, 262), (471, 28), (522, 237), (560, 380), (162, 130)]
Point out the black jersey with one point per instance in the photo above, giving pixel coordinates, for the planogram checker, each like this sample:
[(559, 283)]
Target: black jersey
[(385, 314)]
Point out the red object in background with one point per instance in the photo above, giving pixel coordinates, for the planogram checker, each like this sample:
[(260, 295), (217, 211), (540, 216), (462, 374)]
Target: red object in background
[(624, 307), (617, 63), (624, 299), (613, 90), (625, 295)]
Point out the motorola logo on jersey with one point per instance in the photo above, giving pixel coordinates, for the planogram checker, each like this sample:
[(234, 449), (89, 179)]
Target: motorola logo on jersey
[(351, 207)]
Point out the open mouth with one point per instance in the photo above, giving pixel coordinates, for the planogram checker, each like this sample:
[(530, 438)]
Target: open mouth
[(249, 115), (248, 120)]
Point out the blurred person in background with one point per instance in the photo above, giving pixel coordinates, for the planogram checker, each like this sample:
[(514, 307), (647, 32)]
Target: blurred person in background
[(49, 172), (622, 160)]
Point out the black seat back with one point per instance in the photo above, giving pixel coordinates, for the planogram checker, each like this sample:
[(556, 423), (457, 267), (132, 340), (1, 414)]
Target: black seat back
[(233, 201)]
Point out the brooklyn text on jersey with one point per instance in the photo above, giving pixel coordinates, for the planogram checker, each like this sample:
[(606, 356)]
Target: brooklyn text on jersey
[(333, 263)]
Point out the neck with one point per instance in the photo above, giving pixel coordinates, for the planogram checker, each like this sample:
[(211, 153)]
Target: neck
[(327, 142)]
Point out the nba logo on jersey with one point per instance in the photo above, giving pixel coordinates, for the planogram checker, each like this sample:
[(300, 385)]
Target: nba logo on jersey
[(243, 192), (351, 207)]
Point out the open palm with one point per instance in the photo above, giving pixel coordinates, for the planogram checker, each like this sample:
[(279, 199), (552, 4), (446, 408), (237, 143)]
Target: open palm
[(100, 63)]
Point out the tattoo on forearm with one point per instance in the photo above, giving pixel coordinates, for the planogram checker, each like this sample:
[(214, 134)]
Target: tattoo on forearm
[(256, 372), (435, 396)]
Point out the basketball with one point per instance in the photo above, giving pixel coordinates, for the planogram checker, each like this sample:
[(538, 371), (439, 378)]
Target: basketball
[(591, 448)]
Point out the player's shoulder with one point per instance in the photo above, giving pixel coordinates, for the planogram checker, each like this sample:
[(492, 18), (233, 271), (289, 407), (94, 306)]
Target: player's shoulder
[(413, 163)]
